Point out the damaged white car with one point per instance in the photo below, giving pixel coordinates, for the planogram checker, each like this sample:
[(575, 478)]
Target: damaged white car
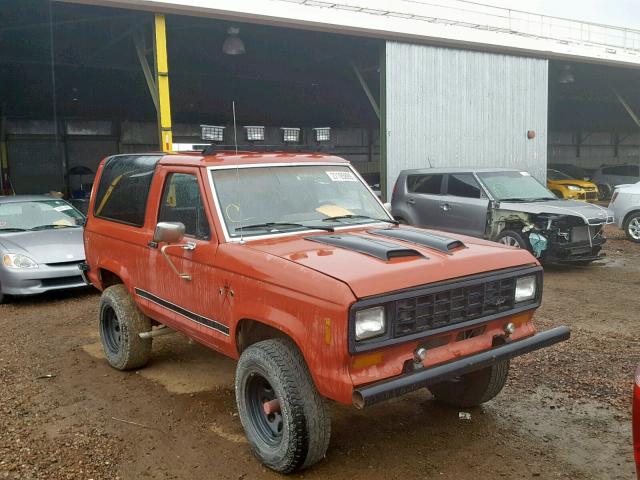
[(503, 205)]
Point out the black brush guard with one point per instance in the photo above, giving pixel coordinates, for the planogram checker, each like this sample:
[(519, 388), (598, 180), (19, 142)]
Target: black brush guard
[(396, 386)]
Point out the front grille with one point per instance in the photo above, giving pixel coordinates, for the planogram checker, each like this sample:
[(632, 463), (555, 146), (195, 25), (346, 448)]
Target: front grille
[(592, 195), (456, 305), (63, 264)]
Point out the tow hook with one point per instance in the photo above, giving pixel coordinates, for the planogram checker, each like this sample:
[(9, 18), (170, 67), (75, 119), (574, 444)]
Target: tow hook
[(271, 407)]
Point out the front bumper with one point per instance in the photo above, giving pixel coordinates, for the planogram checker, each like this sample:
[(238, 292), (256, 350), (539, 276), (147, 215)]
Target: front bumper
[(42, 279), (402, 384)]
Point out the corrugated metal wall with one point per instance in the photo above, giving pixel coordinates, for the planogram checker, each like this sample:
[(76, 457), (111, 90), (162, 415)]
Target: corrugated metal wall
[(462, 108)]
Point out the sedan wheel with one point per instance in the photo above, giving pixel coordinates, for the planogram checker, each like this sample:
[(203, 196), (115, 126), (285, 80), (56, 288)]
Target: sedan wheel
[(510, 241), (633, 228)]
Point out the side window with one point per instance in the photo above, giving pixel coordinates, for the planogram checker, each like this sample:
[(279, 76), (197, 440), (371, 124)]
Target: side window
[(124, 188), (430, 184), (181, 202), (463, 185), (622, 170)]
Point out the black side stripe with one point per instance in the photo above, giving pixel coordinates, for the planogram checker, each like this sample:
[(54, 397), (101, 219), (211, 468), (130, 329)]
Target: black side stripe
[(207, 322)]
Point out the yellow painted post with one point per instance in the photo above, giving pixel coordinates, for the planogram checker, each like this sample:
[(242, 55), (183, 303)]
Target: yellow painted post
[(162, 83)]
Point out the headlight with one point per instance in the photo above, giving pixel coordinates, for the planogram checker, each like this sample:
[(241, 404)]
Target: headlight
[(525, 288), (370, 323), (574, 188), (15, 260)]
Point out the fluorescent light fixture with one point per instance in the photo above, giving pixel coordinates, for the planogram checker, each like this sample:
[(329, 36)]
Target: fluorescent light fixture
[(290, 134), (254, 133), (323, 134), (212, 132)]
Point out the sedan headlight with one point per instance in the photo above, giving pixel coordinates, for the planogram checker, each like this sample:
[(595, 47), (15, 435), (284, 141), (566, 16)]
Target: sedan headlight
[(574, 188), (18, 261), (526, 288), (370, 323)]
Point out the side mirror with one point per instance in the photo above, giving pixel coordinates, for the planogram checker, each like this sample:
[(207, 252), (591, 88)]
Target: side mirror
[(168, 232)]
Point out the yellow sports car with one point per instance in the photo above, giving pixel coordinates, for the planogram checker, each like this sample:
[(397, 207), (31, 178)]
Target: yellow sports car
[(564, 186)]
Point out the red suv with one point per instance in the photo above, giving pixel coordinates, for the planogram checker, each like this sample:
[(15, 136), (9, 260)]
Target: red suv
[(290, 264)]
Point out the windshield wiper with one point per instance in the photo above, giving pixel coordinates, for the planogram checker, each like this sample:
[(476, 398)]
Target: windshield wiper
[(12, 229), (535, 199), (340, 217), (277, 225), (45, 227)]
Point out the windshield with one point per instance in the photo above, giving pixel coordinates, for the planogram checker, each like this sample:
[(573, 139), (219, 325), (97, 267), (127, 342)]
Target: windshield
[(38, 215), (514, 186), (260, 200), (556, 175)]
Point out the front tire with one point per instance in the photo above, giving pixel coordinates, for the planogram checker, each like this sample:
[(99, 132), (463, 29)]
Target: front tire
[(632, 227), (474, 388), (284, 418), (120, 323), (511, 238)]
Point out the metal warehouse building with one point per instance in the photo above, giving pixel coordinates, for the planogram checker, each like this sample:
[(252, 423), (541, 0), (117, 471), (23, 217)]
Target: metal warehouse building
[(387, 85)]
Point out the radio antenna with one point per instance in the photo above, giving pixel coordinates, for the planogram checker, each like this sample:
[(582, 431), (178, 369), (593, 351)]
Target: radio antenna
[(235, 128), (235, 142)]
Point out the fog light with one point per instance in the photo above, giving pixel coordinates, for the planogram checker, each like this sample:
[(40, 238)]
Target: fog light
[(419, 355), (509, 329)]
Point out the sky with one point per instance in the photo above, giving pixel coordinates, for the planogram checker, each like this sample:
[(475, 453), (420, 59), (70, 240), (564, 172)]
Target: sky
[(623, 13)]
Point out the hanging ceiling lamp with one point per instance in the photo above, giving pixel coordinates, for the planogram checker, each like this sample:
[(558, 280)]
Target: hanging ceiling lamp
[(233, 45), (566, 75)]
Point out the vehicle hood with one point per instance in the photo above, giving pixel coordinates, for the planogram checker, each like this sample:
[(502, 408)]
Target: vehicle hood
[(629, 187), (579, 183), (368, 275), (560, 207), (46, 246)]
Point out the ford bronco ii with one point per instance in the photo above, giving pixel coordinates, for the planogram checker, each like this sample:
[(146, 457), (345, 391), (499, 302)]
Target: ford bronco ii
[(290, 264)]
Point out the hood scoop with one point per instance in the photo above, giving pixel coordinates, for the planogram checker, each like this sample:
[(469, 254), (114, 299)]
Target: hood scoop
[(429, 240), (369, 246)]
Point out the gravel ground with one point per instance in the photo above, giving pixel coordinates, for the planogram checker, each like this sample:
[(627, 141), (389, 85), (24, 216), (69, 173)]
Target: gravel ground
[(64, 414)]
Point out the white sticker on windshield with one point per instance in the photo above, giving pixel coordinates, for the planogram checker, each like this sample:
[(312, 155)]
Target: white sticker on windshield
[(525, 174), (63, 208), (344, 176)]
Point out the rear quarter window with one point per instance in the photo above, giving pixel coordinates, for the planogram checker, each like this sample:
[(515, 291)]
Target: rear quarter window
[(124, 188), (429, 184)]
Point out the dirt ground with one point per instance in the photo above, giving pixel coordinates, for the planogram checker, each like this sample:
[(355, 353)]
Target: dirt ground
[(565, 413)]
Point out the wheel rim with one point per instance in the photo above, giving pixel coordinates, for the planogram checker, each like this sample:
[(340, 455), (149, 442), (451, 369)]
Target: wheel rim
[(634, 228), (510, 241), (264, 410), (111, 330)]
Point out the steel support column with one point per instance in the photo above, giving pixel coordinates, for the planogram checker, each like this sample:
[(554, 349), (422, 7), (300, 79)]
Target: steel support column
[(162, 83)]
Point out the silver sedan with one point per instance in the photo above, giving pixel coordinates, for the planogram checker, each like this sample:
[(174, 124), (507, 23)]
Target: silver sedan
[(625, 204), (41, 245)]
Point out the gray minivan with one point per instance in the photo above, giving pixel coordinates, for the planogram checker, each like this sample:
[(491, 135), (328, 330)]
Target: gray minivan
[(505, 205)]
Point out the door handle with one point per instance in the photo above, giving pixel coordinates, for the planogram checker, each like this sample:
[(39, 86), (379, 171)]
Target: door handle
[(411, 201)]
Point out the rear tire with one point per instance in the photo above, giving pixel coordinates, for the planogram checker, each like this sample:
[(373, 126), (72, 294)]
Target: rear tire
[(512, 238), (120, 323), (474, 388), (297, 435), (632, 227)]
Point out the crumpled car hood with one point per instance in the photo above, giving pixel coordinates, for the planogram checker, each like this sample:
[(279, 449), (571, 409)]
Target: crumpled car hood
[(560, 207), (46, 246), (367, 275)]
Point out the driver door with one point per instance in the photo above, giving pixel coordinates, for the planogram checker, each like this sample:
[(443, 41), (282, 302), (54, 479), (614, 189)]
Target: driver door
[(190, 302)]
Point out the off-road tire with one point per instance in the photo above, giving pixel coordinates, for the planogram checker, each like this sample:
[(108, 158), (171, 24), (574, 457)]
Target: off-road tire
[(306, 427), (627, 222), (522, 243), (120, 321), (557, 193), (474, 388)]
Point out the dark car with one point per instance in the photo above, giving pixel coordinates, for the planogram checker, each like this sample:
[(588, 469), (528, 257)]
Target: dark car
[(503, 205)]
